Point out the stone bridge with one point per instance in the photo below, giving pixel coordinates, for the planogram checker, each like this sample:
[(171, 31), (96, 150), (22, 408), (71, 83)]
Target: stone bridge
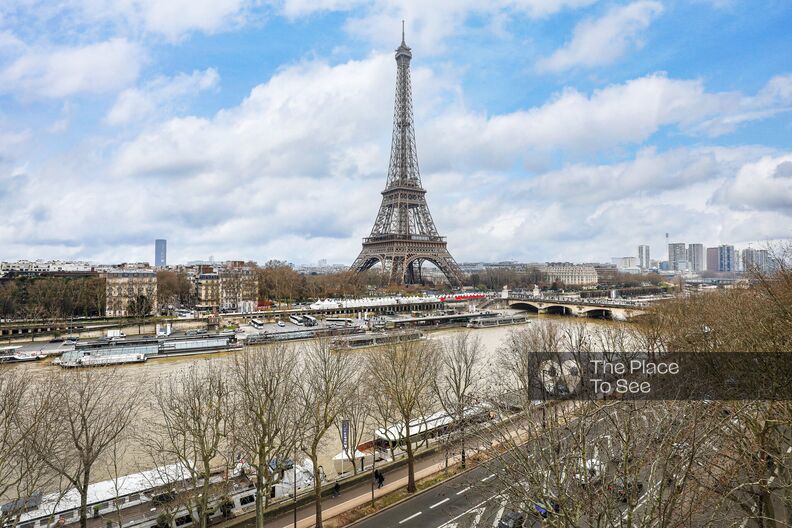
[(594, 308)]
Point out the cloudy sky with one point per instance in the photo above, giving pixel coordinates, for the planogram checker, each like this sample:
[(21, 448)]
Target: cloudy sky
[(546, 129)]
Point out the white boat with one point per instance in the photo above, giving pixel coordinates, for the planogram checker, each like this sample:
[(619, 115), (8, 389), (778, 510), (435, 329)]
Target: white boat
[(497, 320), (88, 360), (11, 354)]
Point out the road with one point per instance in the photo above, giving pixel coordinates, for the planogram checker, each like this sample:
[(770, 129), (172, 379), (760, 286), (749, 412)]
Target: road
[(465, 500)]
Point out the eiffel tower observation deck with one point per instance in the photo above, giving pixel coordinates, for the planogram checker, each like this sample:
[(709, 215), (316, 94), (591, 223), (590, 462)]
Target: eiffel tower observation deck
[(404, 235)]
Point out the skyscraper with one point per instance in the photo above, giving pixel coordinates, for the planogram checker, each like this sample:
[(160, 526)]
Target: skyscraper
[(722, 258), (160, 253), (644, 260), (677, 254), (695, 256), (755, 260), (726, 260), (712, 259)]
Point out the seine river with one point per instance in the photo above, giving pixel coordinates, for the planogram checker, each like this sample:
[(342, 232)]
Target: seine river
[(134, 458)]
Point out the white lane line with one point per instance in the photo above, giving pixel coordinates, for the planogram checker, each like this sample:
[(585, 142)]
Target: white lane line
[(499, 515), (485, 479), (413, 516), (460, 492), (450, 521), (439, 503)]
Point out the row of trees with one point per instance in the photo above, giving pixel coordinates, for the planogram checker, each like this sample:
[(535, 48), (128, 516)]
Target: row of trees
[(64, 297), (52, 297), (267, 405)]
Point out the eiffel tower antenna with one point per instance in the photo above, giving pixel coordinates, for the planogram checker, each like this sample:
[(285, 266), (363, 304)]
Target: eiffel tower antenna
[(404, 235)]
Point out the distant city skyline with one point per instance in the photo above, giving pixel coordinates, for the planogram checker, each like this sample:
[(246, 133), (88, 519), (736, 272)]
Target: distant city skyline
[(634, 260), (549, 130)]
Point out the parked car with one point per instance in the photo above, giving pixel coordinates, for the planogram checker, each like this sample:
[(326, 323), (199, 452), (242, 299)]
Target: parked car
[(546, 508)]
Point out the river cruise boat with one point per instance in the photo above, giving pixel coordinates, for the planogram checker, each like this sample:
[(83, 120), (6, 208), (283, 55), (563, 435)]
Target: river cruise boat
[(376, 339), (389, 443), (13, 354), (497, 320), (139, 499), (309, 333), (141, 349)]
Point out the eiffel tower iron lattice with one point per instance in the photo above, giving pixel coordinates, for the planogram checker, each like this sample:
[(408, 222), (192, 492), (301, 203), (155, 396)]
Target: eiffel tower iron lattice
[(404, 235)]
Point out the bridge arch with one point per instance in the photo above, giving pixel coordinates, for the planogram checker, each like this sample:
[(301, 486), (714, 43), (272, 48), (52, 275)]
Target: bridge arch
[(522, 305), (557, 309), (598, 313)]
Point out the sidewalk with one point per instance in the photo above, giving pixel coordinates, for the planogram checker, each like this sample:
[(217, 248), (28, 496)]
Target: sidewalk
[(355, 496), (360, 494)]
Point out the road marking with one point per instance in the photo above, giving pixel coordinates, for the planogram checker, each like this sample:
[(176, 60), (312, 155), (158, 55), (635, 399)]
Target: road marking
[(460, 492), (451, 521), (499, 515), (485, 479), (413, 516), (439, 503)]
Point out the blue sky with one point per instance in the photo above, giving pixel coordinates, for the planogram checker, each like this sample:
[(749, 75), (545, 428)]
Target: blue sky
[(546, 129)]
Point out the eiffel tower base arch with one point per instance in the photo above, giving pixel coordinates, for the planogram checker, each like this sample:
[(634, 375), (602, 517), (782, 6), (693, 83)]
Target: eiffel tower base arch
[(402, 260)]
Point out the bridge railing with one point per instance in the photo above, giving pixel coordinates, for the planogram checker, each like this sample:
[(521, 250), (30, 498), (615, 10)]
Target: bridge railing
[(621, 303)]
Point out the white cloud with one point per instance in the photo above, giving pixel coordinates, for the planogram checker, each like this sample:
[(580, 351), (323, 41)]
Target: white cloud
[(428, 24), (296, 169), (601, 41), (65, 71), (159, 96), (621, 114), (173, 19), (765, 185)]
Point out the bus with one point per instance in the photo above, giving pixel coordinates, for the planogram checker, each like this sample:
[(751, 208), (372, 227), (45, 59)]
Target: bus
[(340, 321), (257, 323), (296, 319), (309, 320)]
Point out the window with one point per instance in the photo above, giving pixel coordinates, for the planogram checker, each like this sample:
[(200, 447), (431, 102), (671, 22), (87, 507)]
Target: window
[(185, 519), (247, 499), (134, 497)]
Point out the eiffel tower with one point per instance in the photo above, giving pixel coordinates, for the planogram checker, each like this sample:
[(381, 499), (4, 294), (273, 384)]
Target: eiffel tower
[(404, 235)]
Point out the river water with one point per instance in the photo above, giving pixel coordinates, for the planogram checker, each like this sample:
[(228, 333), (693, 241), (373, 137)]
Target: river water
[(133, 458)]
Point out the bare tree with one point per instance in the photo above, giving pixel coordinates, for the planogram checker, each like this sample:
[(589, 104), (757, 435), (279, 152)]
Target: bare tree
[(591, 465), (357, 409), (405, 374), (13, 389), (88, 412), (192, 428), (266, 389), (458, 379), (327, 380), (22, 471)]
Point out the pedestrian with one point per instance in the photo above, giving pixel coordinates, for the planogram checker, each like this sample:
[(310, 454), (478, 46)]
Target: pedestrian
[(336, 490), (381, 479)]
